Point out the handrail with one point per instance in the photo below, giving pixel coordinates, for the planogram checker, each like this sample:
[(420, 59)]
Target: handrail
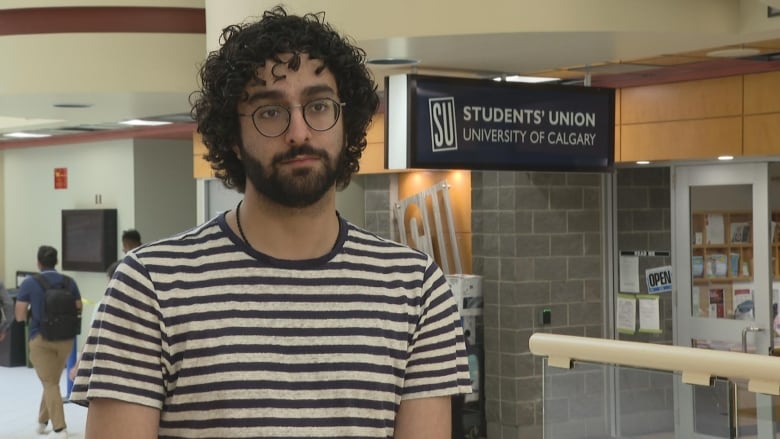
[(698, 366)]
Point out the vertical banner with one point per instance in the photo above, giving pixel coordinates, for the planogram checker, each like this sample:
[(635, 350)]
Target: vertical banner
[(460, 123)]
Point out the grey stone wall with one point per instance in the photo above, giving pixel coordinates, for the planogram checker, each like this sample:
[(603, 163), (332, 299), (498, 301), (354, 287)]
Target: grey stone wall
[(644, 223), (377, 203), (537, 242)]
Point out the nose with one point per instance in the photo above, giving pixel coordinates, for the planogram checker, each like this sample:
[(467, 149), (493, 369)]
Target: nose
[(298, 133)]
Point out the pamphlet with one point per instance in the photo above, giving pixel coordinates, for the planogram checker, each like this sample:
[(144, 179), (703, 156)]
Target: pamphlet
[(733, 264), (717, 265), (716, 310), (697, 266), (743, 303), (714, 229), (740, 232)]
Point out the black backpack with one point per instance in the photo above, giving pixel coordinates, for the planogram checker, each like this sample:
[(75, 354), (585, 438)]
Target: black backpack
[(60, 319)]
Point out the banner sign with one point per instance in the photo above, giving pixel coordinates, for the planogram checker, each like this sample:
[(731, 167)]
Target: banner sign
[(459, 123)]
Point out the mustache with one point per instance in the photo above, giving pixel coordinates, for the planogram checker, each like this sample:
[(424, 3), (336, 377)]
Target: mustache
[(293, 152)]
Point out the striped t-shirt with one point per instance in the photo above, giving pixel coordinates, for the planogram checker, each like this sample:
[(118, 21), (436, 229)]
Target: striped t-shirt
[(228, 342)]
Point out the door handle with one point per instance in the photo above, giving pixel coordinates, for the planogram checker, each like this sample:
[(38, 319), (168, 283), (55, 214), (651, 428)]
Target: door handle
[(745, 331)]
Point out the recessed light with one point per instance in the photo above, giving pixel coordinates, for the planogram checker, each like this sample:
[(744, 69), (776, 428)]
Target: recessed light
[(23, 135), (737, 52), (393, 61), (145, 123), (643, 162), (526, 79), (71, 105), (726, 157)]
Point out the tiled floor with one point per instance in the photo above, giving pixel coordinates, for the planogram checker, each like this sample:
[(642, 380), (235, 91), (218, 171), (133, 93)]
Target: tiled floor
[(19, 400)]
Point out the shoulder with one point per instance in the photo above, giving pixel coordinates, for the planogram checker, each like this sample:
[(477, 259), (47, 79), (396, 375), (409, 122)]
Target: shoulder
[(187, 252), (26, 289), (359, 238), (195, 239)]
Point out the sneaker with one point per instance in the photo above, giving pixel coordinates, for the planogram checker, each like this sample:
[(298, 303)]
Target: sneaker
[(41, 427), (62, 434)]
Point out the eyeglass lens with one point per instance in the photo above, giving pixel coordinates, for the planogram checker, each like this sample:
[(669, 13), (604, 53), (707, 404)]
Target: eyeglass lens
[(273, 120)]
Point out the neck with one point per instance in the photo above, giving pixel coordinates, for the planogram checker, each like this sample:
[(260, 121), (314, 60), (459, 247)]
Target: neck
[(284, 232)]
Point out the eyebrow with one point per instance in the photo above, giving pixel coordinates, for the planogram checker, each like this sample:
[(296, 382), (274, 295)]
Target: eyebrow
[(310, 91)]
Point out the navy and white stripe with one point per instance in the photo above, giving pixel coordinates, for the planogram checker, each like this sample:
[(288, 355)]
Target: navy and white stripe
[(229, 342)]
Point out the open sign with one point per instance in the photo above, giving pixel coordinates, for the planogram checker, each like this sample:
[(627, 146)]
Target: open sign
[(659, 279)]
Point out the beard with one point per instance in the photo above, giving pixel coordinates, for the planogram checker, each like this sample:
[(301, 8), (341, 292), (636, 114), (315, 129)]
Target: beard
[(302, 187)]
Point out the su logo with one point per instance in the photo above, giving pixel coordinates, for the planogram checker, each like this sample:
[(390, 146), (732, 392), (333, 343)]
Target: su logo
[(443, 127)]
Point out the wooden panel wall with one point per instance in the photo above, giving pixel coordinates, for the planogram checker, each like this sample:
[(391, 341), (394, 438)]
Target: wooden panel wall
[(736, 115), (200, 167), (618, 124), (679, 140), (762, 114), (685, 120), (373, 159), (681, 101)]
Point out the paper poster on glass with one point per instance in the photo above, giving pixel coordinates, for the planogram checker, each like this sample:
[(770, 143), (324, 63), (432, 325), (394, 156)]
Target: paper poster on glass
[(659, 279), (649, 313), (626, 314)]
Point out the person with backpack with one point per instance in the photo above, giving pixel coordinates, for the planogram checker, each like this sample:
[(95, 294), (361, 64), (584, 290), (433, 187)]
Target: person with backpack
[(6, 312), (54, 303)]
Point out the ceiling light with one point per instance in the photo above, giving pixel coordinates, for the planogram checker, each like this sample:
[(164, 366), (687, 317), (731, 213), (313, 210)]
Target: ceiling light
[(726, 157), (772, 3), (23, 135), (145, 123), (71, 105), (526, 79), (643, 162), (393, 61), (737, 52)]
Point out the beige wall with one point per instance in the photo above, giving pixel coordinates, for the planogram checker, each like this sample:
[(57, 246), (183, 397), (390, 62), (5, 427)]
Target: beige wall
[(119, 172)]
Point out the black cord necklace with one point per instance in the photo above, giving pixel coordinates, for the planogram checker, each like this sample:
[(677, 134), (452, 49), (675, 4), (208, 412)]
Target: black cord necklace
[(238, 222)]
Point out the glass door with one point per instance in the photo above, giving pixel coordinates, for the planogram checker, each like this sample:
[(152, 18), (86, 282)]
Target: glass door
[(724, 270)]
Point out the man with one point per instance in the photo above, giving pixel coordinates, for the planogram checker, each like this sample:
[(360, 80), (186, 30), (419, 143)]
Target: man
[(131, 239), (48, 357), (7, 310), (279, 318)]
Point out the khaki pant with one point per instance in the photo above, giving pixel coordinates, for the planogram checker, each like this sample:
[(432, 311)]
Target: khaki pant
[(49, 359)]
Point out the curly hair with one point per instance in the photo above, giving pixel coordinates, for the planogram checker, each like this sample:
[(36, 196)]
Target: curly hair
[(245, 48)]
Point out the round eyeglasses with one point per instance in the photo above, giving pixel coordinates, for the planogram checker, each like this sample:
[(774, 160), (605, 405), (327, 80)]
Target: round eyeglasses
[(273, 120)]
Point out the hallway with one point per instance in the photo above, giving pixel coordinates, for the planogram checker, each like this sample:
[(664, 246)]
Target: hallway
[(19, 406)]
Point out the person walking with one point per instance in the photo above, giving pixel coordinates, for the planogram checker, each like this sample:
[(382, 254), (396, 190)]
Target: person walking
[(48, 357), (6, 312), (131, 238)]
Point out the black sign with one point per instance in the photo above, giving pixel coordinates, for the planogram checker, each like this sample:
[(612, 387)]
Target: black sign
[(458, 123)]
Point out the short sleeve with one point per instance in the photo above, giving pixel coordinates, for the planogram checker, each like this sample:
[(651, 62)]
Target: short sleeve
[(438, 361), (121, 358)]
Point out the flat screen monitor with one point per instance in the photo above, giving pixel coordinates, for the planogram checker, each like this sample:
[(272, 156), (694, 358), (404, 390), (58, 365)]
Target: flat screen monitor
[(89, 239), (22, 275)]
